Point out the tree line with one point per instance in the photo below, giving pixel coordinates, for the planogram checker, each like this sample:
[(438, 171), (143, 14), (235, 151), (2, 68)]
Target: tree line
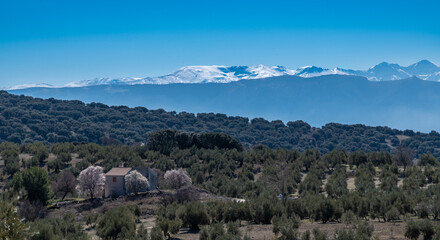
[(26, 119)]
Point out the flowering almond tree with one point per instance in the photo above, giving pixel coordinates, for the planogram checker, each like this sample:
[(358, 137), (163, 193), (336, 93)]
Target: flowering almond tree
[(91, 181), (136, 182), (177, 178)]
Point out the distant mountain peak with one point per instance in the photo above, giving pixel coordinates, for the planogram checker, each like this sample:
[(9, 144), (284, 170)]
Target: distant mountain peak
[(382, 64), (385, 65), (39, 85), (425, 62), (383, 71), (423, 68)]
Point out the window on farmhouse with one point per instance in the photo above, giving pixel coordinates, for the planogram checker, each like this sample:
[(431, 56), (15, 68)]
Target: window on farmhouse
[(114, 179)]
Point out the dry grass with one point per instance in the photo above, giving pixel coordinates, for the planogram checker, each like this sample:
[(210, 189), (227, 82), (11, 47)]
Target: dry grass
[(75, 159), (402, 137), (350, 184)]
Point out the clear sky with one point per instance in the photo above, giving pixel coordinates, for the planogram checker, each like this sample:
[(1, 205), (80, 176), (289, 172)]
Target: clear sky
[(57, 42)]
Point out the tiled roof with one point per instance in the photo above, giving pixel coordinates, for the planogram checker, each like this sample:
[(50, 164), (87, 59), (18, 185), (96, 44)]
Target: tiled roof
[(118, 172)]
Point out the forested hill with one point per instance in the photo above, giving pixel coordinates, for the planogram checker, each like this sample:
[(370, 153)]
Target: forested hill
[(405, 104), (27, 119)]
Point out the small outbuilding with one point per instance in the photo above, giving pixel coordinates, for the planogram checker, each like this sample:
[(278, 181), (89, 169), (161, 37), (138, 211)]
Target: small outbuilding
[(115, 180)]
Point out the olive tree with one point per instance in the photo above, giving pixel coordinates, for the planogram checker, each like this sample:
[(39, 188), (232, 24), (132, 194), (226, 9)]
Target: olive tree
[(117, 223)]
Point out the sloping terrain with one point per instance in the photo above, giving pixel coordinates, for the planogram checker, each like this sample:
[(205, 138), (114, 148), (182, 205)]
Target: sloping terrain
[(27, 119)]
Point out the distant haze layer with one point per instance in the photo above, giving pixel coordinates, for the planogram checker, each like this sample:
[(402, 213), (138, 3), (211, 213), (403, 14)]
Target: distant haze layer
[(405, 104)]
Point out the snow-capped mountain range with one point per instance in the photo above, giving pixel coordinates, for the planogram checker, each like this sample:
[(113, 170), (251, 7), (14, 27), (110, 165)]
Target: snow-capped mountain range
[(424, 69)]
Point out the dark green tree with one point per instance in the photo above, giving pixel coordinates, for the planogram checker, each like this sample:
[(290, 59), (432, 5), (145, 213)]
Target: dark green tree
[(37, 185)]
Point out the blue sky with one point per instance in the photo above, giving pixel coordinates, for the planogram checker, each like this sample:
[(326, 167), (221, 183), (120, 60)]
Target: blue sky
[(57, 42)]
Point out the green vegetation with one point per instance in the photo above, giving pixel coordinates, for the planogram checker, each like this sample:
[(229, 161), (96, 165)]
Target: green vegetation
[(11, 226), (117, 223), (26, 119), (35, 181), (65, 227), (283, 187)]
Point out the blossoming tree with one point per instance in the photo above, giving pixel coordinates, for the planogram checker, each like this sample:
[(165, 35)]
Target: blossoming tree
[(91, 181)]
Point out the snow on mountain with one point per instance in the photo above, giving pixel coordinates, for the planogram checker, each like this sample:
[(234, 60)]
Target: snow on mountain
[(24, 86), (423, 67), (108, 81), (384, 71), (312, 71), (221, 74)]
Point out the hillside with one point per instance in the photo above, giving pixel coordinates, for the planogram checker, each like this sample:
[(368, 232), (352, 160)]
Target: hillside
[(28, 119)]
